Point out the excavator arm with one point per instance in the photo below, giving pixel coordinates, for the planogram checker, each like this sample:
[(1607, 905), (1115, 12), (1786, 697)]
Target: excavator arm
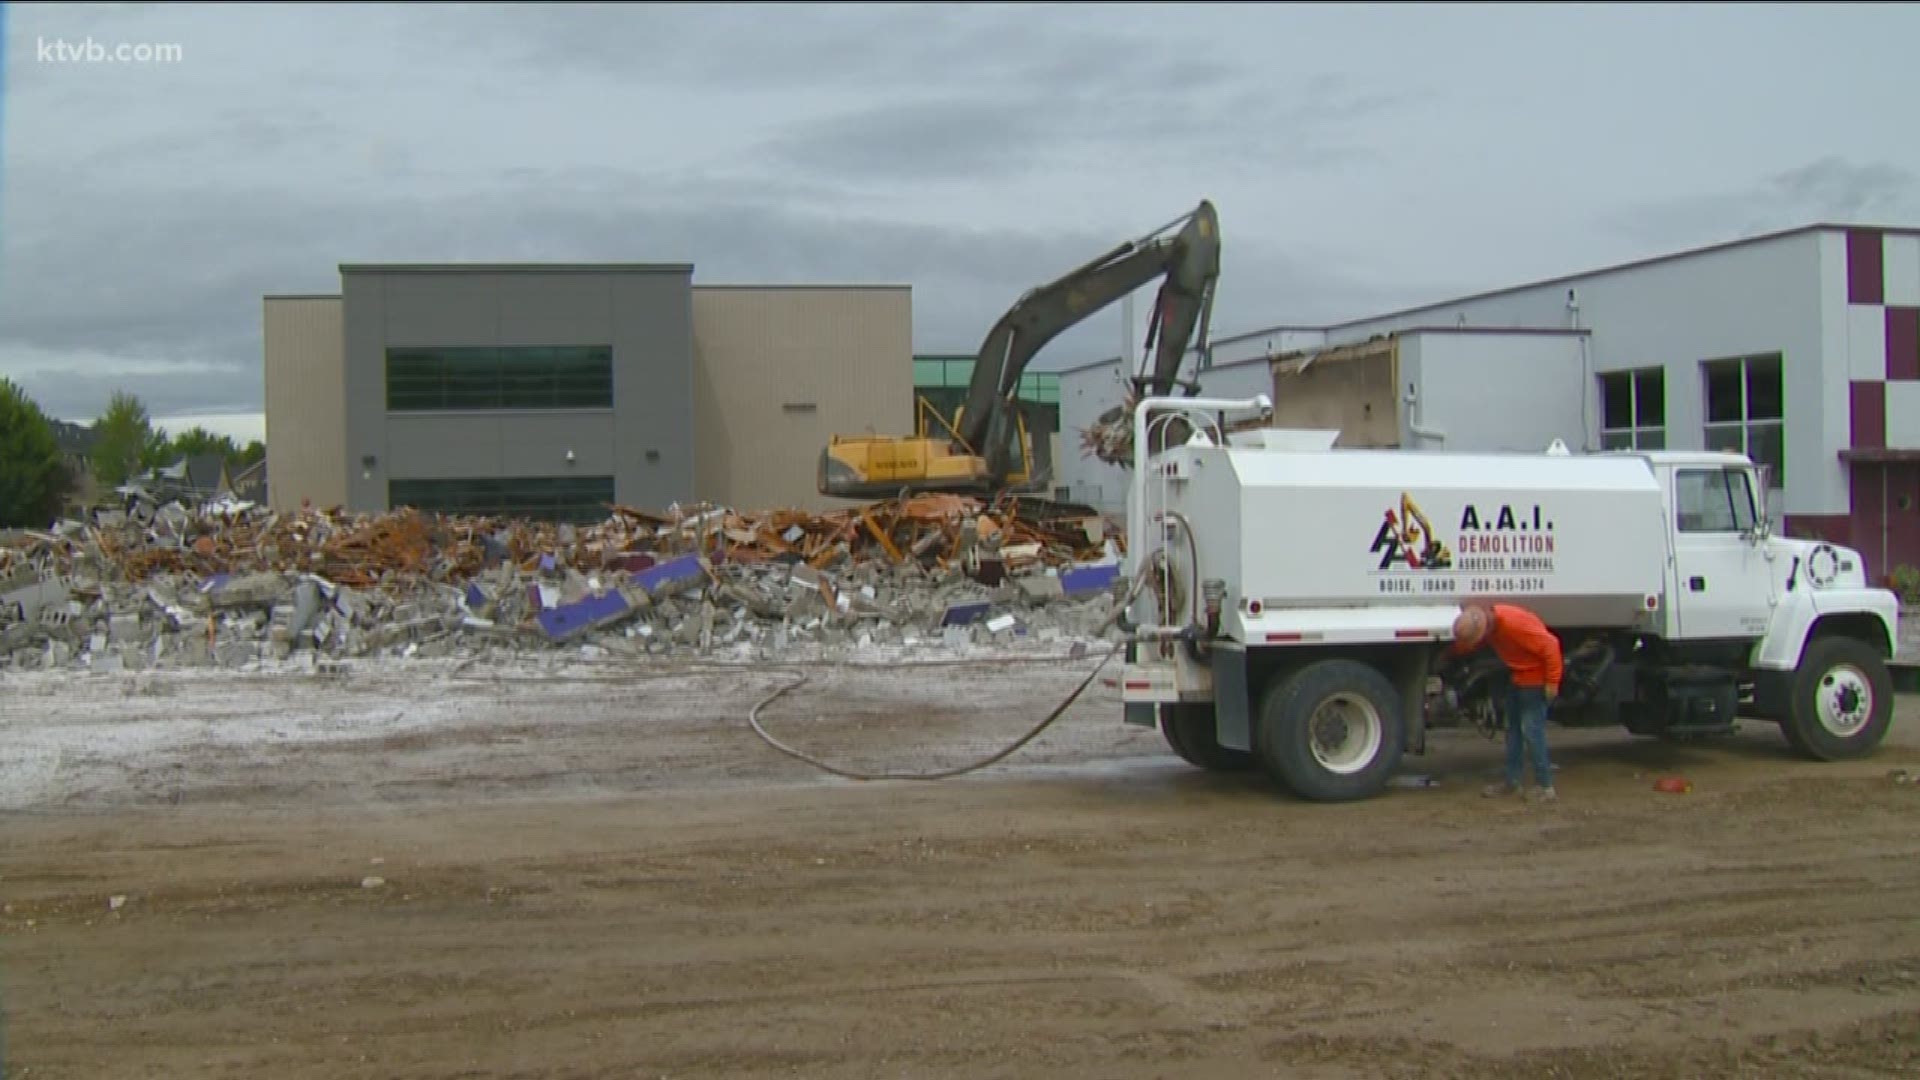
[(1190, 261), (979, 456)]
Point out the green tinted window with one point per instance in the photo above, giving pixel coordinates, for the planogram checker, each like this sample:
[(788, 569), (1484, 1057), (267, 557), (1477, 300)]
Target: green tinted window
[(579, 499), (934, 373), (528, 377)]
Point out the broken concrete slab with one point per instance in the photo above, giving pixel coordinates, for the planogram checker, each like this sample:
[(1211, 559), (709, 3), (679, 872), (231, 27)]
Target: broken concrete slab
[(569, 621)]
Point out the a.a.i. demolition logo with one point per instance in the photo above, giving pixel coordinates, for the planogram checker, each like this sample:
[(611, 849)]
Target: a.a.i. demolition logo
[(1500, 541), (1407, 538)]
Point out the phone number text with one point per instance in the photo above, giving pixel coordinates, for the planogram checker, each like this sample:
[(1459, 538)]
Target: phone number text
[(1507, 585)]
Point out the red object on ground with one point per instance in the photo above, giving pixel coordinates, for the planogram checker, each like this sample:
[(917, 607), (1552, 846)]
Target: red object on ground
[(1673, 785)]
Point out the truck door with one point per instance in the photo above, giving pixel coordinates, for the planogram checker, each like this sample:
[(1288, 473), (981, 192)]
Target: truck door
[(1723, 584)]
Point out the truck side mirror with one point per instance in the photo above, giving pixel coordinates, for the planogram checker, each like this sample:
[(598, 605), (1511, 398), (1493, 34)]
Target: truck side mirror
[(1763, 499)]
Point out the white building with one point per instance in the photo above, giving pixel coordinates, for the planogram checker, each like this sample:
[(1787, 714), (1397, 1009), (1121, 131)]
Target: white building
[(1800, 348)]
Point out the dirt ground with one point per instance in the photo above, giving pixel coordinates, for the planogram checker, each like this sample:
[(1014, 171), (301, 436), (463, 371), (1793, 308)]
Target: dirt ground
[(601, 872)]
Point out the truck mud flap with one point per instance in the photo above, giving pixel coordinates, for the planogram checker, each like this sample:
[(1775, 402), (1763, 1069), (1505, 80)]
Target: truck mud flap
[(1232, 706), (1139, 713)]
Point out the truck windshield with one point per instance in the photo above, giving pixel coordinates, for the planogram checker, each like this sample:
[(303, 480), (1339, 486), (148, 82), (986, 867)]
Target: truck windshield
[(1713, 500)]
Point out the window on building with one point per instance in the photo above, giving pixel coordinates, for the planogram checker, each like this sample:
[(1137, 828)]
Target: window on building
[(540, 377), (933, 374), (1713, 501), (577, 499), (1745, 410), (1633, 409)]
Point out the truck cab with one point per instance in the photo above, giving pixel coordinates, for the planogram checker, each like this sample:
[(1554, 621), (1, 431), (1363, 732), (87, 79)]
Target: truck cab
[(1779, 615)]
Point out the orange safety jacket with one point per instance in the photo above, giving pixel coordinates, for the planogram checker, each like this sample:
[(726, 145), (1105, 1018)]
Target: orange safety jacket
[(1525, 645)]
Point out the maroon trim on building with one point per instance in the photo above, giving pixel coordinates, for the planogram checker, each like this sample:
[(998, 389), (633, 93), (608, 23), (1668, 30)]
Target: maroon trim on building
[(1833, 528), (1880, 456), (1903, 343), (1868, 422), (1885, 498), (1866, 281)]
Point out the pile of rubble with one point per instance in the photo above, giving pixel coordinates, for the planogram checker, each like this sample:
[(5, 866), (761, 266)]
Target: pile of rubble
[(233, 583)]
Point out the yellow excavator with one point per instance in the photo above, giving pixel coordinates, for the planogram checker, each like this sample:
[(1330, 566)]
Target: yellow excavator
[(985, 449)]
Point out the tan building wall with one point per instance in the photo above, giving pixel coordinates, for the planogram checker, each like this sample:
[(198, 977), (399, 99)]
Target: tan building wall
[(1349, 388), (306, 401), (779, 370)]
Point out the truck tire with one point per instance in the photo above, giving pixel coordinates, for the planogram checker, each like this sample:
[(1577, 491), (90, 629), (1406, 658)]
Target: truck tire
[(1331, 731), (1189, 731), (1842, 700)]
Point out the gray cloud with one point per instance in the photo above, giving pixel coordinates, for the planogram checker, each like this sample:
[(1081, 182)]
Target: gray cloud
[(816, 48), (1842, 189), (1083, 107), (203, 312), (972, 151), (1830, 188), (919, 141)]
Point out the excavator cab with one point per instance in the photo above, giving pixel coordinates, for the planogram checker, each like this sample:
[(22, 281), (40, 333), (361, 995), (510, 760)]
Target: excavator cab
[(986, 448), (934, 459), (1019, 471)]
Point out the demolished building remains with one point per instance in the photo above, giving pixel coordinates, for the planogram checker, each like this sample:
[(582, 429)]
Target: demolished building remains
[(232, 583)]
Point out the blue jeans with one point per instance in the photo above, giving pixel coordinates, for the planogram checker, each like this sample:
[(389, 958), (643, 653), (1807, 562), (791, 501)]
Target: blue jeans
[(1527, 720)]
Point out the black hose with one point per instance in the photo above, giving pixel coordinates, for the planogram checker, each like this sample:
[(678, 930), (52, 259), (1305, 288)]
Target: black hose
[(753, 715)]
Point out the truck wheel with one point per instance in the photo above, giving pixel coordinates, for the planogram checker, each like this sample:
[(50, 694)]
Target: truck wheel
[(1842, 700), (1332, 731), (1189, 731)]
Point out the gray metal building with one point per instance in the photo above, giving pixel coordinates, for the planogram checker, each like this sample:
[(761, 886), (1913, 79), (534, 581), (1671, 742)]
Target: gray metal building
[(551, 391), (1800, 348)]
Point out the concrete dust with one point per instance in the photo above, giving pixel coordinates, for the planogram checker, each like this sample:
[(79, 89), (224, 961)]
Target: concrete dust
[(595, 869)]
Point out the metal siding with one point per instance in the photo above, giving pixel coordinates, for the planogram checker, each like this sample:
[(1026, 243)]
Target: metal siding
[(644, 316), (1900, 265), (1761, 297), (426, 310), (1902, 415), (427, 447), (847, 351), (653, 391), (365, 324), (1085, 393), (1866, 343), (1835, 408), (1260, 345), (430, 447), (537, 444), (305, 401), (1454, 372)]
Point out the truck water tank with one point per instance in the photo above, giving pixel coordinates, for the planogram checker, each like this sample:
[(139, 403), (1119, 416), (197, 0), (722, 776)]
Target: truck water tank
[(1579, 539)]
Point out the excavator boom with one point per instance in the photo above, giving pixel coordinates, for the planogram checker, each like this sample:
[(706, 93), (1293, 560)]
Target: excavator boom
[(980, 455)]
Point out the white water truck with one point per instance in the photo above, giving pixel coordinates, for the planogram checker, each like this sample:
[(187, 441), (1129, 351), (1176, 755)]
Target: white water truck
[(1300, 597)]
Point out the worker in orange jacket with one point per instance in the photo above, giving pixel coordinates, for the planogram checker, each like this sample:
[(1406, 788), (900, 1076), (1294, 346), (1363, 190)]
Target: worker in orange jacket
[(1531, 653)]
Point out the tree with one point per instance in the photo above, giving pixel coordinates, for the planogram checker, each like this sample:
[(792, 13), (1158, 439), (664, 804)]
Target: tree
[(33, 478), (126, 442), (197, 440)]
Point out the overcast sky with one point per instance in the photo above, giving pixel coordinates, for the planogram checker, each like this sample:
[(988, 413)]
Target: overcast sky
[(1360, 157)]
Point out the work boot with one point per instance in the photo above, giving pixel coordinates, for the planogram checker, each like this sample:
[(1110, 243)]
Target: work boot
[(1500, 790)]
